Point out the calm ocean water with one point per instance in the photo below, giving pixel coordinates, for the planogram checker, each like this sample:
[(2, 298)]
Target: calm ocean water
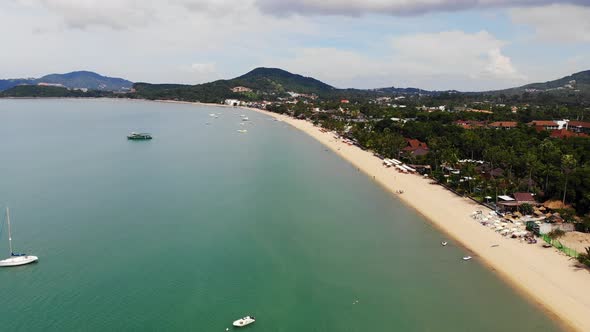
[(203, 225)]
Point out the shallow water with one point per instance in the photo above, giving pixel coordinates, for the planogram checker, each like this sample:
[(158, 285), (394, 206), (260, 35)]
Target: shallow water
[(203, 225)]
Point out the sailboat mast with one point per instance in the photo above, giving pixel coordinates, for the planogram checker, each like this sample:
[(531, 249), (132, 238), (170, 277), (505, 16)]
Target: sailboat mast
[(9, 232)]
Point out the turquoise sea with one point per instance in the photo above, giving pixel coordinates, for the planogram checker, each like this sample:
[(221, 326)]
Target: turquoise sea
[(203, 225)]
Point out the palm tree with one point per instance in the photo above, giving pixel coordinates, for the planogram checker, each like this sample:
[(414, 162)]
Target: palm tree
[(555, 234), (584, 258), (531, 161), (568, 164)]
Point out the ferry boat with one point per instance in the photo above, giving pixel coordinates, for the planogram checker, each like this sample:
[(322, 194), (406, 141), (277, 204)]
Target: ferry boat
[(139, 136), (244, 321)]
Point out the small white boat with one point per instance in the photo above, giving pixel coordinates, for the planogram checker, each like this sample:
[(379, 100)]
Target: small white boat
[(243, 131), (244, 321), (245, 119), (15, 259), (466, 258), (444, 243)]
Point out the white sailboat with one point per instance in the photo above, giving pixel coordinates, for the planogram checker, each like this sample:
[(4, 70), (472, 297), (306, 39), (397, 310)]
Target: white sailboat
[(15, 259)]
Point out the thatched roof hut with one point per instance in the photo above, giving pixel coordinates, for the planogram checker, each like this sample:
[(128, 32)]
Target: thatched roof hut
[(555, 205)]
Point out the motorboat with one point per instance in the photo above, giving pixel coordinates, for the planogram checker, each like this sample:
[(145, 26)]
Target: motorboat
[(139, 136), (444, 243), (244, 321), (466, 258), (243, 131), (15, 259)]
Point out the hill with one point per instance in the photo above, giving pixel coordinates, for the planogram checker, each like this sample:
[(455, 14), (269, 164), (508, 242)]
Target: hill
[(264, 83), (578, 81), (88, 80), (574, 88), (278, 80), (74, 80)]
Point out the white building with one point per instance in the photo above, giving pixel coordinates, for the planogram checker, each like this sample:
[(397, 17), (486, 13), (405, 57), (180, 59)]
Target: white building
[(232, 102)]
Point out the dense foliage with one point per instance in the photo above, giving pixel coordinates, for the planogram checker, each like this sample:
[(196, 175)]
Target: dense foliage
[(36, 91)]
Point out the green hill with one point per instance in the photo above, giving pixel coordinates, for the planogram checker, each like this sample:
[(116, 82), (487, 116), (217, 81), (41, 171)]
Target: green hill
[(278, 80), (88, 80), (74, 80), (575, 87), (266, 83)]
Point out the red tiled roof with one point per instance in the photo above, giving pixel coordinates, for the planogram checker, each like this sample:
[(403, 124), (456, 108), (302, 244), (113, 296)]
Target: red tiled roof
[(416, 147), (563, 133), (504, 124), (543, 123), (579, 124), (524, 197)]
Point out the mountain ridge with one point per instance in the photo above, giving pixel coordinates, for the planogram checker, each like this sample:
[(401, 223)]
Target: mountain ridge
[(73, 80), (273, 83)]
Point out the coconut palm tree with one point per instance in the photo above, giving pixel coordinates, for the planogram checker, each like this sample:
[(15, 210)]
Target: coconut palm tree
[(568, 164)]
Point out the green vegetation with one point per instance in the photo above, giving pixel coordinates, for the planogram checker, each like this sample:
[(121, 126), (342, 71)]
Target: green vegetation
[(26, 91), (556, 234), (279, 81), (526, 209), (584, 258)]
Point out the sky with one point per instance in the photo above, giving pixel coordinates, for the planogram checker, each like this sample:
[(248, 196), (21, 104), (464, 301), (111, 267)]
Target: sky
[(468, 45)]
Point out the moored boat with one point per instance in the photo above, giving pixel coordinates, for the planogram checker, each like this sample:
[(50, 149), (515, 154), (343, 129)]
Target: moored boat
[(139, 136), (244, 321), (15, 259)]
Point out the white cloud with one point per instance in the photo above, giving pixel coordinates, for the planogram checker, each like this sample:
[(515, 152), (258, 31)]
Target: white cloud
[(475, 55), (121, 14), (116, 14), (500, 66), (556, 23), (341, 67), (445, 60), (391, 7), (203, 68), (157, 41)]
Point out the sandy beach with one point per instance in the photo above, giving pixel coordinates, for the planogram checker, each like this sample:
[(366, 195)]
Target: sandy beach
[(547, 277)]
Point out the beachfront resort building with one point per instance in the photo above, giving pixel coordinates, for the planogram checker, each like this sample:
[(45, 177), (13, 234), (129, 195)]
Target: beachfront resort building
[(232, 102), (507, 203), (416, 147)]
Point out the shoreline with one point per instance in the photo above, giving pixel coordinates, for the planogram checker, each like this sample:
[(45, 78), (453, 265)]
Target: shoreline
[(540, 275), (544, 277)]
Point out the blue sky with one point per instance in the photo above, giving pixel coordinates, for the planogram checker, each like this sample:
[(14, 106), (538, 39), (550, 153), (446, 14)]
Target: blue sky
[(432, 44)]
